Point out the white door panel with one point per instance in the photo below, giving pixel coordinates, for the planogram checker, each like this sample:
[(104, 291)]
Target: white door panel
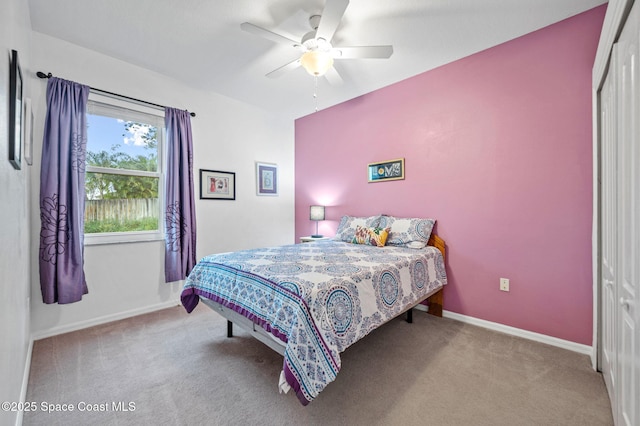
[(628, 372), (608, 185)]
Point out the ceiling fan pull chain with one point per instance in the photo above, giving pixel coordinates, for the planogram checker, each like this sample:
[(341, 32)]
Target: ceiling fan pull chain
[(315, 92)]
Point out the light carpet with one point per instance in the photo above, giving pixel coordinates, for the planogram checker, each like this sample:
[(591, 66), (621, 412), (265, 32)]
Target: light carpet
[(181, 369)]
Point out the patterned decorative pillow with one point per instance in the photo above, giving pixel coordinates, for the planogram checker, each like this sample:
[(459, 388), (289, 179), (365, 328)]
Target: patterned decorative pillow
[(347, 227), (371, 236), (405, 230)]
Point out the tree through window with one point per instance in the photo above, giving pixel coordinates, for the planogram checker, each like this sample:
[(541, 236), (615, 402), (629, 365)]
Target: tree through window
[(123, 170)]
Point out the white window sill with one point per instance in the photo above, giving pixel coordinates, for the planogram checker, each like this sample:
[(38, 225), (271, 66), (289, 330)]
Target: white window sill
[(122, 238)]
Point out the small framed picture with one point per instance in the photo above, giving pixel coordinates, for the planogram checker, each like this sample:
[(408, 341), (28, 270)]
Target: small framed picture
[(266, 178), (217, 185), (15, 111), (386, 170)]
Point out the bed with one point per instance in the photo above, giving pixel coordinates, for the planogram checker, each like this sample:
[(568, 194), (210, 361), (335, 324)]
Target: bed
[(311, 301)]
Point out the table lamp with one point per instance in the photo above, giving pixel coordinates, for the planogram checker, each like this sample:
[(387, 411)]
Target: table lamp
[(316, 213)]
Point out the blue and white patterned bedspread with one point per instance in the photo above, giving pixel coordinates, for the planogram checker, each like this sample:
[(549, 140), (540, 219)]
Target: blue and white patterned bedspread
[(319, 298)]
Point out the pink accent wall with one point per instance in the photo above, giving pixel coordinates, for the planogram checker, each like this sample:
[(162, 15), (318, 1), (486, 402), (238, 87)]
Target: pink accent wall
[(498, 150)]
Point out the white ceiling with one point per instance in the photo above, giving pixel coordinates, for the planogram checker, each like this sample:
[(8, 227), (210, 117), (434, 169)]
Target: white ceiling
[(199, 42)]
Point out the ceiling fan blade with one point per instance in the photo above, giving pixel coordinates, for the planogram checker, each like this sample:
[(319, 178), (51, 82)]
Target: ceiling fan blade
[(331, 17), (283, 69), (333, 77), (358, 52), (269, 35)]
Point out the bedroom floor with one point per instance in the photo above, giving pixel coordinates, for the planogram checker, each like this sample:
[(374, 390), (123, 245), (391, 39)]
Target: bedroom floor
[(180, 369)]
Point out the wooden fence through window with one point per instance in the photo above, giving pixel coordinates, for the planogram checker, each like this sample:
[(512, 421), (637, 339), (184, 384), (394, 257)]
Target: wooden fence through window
[(120, 209)]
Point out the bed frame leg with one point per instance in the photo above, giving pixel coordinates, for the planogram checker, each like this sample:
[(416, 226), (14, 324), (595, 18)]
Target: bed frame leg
[(410, 316), (229, 329), (435, 303)]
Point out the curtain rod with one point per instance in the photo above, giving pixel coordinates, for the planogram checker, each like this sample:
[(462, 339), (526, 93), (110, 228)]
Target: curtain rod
[(49, 75)]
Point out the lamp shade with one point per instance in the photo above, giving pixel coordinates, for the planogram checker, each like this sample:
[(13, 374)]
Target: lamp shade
[(316, 213), (316, 62)]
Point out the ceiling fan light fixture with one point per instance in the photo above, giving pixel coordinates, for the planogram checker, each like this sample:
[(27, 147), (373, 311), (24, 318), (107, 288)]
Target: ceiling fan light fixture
[(316, 62)]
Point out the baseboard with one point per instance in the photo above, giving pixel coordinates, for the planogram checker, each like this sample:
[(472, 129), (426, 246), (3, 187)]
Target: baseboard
[(102, 320), (537, 337), (25, 380), (421, 307), (530, 335)]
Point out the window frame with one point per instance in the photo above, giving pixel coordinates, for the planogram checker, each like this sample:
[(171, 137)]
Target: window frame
[(118, 103)]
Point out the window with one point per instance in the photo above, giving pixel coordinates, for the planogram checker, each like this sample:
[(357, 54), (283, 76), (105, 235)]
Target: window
[(123, 171)]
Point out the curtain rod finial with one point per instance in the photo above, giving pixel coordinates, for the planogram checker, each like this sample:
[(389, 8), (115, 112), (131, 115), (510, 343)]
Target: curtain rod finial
[(43, 75)]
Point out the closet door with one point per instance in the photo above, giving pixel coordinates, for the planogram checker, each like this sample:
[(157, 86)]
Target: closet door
[(628, 233), (608, 184)]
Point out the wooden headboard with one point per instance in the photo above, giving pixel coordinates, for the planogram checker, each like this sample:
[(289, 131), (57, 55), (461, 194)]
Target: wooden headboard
[(437, 242)]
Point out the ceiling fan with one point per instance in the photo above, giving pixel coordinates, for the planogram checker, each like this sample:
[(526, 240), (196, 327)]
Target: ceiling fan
[(317, 53)]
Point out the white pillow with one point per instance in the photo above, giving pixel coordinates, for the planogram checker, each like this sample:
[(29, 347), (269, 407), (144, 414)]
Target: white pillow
[(348, 224), (406, 230), (416, 244)]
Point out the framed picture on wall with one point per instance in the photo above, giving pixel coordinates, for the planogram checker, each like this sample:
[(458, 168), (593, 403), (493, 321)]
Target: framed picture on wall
[(266, 178), (15, 111), (217, 185), (386, 170)]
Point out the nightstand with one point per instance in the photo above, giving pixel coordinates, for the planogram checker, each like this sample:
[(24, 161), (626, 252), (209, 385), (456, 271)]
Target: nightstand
[(311, 239)]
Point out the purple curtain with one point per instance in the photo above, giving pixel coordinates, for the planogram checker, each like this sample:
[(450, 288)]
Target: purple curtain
[(180, 240), (62, 192)]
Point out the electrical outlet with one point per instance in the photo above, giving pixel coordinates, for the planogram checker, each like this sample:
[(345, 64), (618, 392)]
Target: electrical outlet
[(504, 284)]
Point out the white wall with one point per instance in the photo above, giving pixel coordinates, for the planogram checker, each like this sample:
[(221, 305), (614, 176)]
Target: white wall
[(126, 279), (15, 33)]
